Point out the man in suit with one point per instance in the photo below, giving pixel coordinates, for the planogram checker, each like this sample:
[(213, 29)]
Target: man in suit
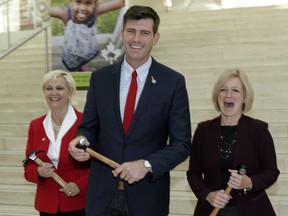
[(159, 135)]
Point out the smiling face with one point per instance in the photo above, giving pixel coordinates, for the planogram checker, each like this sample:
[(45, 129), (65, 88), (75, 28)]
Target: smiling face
[(57, 93), (231, 99), (138, 39), (82, 10)]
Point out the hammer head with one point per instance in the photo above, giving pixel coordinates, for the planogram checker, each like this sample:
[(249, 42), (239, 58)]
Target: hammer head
[(82, 144), (31, 156), (241, 169)]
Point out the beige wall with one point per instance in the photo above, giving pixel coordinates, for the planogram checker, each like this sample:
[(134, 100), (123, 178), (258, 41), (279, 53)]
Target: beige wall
[(157, 5)]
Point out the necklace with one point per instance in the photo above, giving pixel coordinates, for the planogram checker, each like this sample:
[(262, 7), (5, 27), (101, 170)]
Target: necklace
[(55, 127), (226, 148)]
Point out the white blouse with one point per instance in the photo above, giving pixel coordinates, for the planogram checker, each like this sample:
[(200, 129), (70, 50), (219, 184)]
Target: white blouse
[(55, 144)]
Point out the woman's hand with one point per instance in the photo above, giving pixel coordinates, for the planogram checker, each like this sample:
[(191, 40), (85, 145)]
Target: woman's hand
[(71, 189), (46, 171), (238, 181), (218, 198)]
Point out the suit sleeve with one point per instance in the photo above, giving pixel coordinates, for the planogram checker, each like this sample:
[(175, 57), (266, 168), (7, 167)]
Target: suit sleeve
[(268, 172), (31, 168), (195, 171), (179, 132), (90, 121)]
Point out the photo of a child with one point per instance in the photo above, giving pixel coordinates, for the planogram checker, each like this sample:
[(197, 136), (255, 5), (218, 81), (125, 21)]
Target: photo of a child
[(80, 44)]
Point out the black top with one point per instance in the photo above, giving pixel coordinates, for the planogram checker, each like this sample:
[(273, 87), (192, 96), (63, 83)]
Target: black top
[(226, 151)]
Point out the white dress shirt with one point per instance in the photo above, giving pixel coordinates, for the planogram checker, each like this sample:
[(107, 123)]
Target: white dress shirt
[(125, 80)]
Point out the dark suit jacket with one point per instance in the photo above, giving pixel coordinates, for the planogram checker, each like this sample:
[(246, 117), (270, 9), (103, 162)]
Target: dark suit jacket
[(254, 148), (48, 197), (162, 112)]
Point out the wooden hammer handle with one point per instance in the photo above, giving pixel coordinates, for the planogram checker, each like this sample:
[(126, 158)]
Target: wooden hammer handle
[(102, 158), (55, 176), (216, 210)]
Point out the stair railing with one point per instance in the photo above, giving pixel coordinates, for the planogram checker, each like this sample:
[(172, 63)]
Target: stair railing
[(11, 26)]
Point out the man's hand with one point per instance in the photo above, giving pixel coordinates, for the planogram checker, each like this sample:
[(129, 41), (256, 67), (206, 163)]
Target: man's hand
[(131, 172), (78, 154)]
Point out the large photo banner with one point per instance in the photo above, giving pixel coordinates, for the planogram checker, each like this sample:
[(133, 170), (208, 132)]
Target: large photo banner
[(85, 35)]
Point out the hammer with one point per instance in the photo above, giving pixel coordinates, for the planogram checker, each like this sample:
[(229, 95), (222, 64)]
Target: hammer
[(32, 156), (109, 162), (241, 171)]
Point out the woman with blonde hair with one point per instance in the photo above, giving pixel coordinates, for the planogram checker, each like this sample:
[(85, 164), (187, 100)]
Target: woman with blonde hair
[(52, 133), (220, 145)]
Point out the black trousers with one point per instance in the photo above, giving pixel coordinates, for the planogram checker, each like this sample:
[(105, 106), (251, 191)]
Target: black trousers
[(117, 206), (80, 212), (228, 211)]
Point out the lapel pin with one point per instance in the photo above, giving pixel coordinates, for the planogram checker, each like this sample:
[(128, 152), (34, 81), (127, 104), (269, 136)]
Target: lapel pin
[(153, 80)]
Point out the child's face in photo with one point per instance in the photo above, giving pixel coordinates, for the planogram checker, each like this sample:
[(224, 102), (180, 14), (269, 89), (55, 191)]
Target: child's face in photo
[(82, 10)]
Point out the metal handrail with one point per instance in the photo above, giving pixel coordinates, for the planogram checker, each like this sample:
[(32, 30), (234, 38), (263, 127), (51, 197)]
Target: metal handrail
[(34, 34), (45, 28), (4, 2)]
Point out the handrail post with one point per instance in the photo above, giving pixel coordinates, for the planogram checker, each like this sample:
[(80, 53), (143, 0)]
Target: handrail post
[(46, 51), (8, 25)]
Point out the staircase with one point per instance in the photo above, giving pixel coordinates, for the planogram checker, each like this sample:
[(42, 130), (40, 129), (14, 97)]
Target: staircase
[(199, 44)]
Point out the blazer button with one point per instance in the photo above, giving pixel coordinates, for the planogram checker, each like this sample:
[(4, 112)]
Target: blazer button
[(124, 145)]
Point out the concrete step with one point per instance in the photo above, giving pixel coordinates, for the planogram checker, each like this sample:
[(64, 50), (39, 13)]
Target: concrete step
[(32, 106), (174, 41), (225, 15), (11, 175), (181, 202), (24, 101), (13, 131), (19, 73), (12, 158), (17, 195), (14, 142), (17, 210), (26, 59), (224, 51), (181, 61), (224, 62), (38, 97), (192, 24), (224, 30), (19, 117), (40, 62)]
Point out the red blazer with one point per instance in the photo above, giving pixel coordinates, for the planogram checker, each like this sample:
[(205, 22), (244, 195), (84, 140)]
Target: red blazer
[(48, 197), (254, 148)]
